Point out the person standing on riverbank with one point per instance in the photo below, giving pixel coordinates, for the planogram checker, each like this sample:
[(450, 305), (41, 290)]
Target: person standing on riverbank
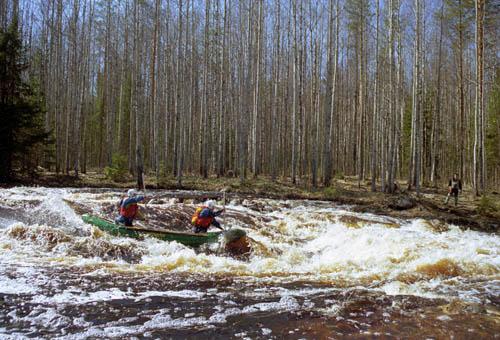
[(454, 188), (205, 216), (129, 208)]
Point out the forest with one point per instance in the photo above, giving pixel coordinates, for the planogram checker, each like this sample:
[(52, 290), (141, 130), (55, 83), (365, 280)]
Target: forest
[(305, 90)]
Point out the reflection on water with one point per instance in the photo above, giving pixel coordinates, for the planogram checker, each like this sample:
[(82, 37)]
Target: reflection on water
[(316, 270)]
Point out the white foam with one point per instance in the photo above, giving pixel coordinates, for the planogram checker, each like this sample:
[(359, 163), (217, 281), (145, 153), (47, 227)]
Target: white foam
[(22, 280), (266, 331), (286, 303), (16, 286), (78, 297), (41, 316), (184, 294), (305, 241)]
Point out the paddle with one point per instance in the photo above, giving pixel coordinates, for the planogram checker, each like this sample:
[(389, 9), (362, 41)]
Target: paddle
[(151, 197), (223, 219), (146, 203), (140, 224), (224, 205), (144, 187)]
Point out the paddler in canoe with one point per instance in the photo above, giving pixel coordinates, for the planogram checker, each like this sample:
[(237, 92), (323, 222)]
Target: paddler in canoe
[(129, 208), (204, 217)]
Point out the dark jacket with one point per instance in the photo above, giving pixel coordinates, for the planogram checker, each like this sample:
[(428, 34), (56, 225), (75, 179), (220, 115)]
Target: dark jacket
[(210, 213), (455, 185)]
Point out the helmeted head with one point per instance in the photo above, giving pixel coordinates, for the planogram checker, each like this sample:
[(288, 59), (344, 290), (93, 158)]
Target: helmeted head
[(131, 193), (210, 204)]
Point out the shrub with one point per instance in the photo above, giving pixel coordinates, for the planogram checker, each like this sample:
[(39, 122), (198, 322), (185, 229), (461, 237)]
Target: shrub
[(118, 171), (331, 192), (339, 176), (487, 205)]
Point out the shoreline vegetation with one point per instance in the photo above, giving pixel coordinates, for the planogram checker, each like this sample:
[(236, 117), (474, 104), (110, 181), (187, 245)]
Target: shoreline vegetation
[(477, 213)]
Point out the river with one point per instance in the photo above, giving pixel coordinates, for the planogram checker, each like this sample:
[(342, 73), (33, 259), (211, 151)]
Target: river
[(317, 271)]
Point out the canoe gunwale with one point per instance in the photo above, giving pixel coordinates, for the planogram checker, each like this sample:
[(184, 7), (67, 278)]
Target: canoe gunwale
[(164, 231), (186, 238)]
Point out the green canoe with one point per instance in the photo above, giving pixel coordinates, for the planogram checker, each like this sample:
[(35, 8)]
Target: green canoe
[(188, 239)]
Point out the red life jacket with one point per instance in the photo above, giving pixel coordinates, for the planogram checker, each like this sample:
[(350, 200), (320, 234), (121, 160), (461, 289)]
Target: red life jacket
[(198, 221), (128, 211)]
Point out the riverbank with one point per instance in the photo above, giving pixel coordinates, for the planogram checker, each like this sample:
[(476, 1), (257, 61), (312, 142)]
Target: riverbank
[(481, 214)]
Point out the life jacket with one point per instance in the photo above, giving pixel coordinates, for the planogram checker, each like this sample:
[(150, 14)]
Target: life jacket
[(198, 221), (129, 210)]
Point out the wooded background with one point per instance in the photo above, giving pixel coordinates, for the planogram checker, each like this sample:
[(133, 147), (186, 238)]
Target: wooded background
[(384, 89)]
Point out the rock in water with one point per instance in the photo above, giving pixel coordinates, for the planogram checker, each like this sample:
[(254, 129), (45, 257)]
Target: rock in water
[(403, 203), (237, 243), (233, 235), (239, 247)]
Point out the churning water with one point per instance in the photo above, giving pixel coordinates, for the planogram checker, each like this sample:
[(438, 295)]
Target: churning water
[(316, 271)]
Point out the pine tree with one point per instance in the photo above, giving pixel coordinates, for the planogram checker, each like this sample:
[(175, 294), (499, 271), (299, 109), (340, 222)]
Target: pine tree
[(492, 140), (22, 120)]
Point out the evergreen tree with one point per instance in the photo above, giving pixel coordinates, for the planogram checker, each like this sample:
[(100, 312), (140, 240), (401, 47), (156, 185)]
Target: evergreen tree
[(493, 130), (22, 122)]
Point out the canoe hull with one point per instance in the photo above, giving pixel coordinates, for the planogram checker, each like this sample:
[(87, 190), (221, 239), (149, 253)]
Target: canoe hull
[(188, 239)]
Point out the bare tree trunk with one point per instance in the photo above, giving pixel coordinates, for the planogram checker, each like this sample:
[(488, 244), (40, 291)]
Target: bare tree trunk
[(400, 99), (375, 117), (361, 97), (329, 116), (82, 91), (58, 77), (107, 88), (276, 73), (255, 106), (137, 80), (179, 116), (314, 100), (222, 94), (294, 94), (478, 173), (392, 95), (166, 90), (205, 105), (417, 97), (154, 90), (436, 131)]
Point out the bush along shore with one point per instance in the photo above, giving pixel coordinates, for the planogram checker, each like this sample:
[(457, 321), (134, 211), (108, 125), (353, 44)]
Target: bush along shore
[(477, 213)]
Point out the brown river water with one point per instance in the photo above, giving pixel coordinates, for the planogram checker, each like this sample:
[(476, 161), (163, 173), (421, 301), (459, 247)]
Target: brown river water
[(316, 271)]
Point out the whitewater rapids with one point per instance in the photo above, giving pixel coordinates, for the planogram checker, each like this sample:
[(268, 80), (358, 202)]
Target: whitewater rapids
[(316, 269)]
